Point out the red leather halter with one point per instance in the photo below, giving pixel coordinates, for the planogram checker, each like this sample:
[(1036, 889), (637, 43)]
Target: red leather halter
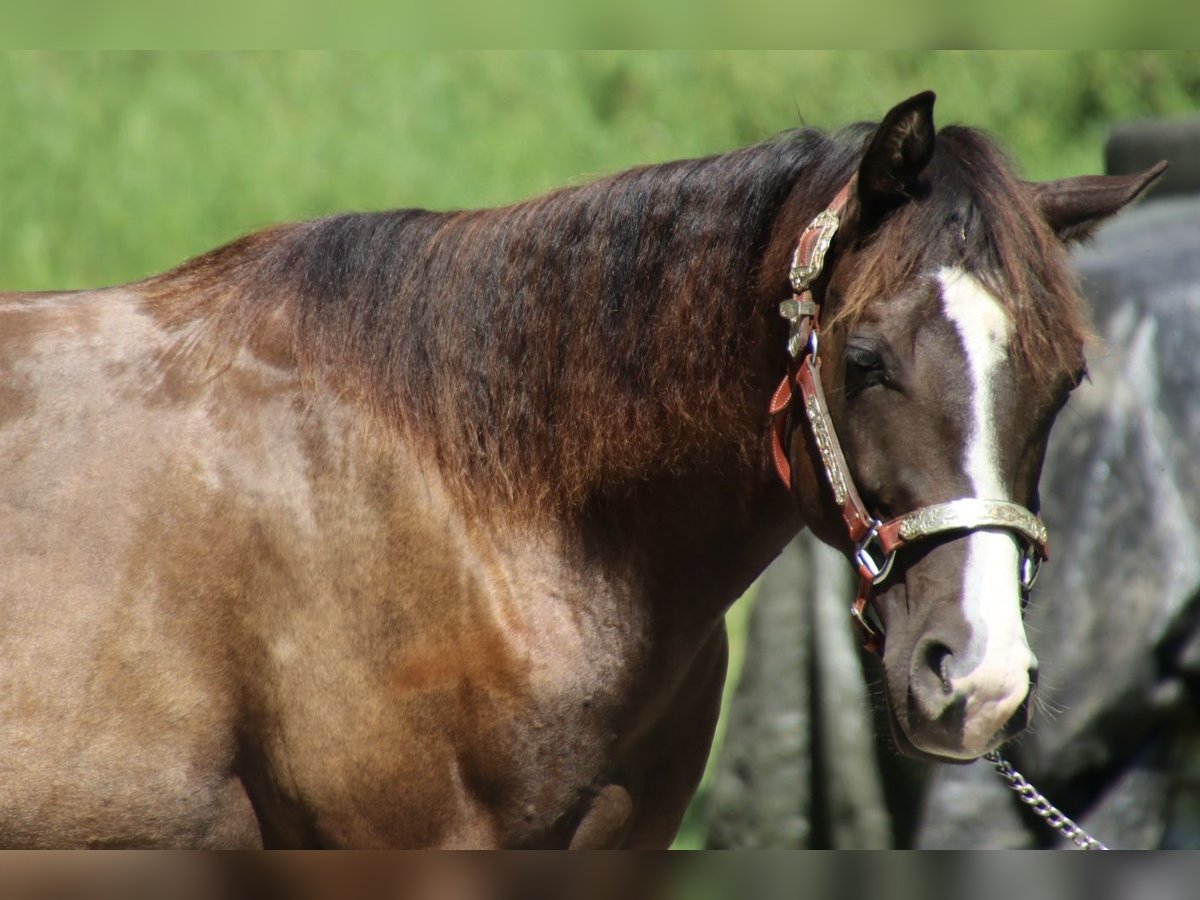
[(875, 542)]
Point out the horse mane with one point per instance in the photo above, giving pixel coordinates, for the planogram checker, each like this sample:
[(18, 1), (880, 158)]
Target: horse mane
[(580, 343), (572, 344), (968, 194)]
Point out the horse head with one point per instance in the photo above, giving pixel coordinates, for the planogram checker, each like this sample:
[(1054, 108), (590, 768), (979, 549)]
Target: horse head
[(953, 336)]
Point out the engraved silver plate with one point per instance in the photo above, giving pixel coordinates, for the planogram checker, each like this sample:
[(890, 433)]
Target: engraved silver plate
[(824, 439), (826, 223), (795, 342), (969, 514)]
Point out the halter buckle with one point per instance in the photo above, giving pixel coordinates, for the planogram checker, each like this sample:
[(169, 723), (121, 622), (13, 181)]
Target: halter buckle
[(799, 310), (877, 569)]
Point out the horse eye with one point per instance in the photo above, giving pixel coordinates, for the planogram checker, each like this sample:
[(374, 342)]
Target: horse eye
[(864, 367), (863, 358)]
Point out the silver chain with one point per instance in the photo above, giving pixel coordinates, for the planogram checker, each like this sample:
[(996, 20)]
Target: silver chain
[(1031, 797)]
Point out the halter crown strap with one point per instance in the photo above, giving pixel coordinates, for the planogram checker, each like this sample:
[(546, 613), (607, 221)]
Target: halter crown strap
[(801, 311), (804, 376)]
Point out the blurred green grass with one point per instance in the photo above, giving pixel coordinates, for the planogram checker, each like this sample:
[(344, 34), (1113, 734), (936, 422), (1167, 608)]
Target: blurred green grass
[(113, 166), (117, 165)]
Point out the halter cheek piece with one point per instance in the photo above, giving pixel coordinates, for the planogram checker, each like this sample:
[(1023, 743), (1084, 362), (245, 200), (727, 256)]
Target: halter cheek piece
[(876, 543)]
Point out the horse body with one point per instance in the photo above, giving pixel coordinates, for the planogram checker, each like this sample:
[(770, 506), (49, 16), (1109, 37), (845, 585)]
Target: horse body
[(417, 529), (269, 609)]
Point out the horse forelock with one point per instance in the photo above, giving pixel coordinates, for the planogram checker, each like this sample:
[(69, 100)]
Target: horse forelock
[(580, 342), (975, 214)]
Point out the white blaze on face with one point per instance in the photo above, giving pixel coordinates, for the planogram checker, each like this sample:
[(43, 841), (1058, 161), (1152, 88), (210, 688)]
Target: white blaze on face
[(991, 590)]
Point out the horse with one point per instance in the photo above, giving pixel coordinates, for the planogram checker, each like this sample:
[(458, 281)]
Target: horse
[(417, 529)]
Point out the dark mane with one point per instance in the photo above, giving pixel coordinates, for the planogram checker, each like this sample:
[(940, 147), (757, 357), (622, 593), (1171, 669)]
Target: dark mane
[(974, 207), (586, 340), (561, 347)]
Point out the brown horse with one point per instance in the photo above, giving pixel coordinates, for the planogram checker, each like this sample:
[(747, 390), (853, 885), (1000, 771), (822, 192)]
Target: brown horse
[(417, 528)]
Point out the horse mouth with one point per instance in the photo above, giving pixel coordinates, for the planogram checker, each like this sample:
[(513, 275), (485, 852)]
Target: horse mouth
[(942, 740)]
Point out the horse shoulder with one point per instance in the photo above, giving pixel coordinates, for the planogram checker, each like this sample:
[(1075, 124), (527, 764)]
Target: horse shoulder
[(119, 709)]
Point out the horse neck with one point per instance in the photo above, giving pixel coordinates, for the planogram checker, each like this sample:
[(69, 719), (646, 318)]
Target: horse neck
[(699, 537), (599, 348), (592, 341)]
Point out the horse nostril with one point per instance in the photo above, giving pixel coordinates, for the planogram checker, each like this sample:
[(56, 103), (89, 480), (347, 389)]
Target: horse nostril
[(937, 658), (1033, 677)]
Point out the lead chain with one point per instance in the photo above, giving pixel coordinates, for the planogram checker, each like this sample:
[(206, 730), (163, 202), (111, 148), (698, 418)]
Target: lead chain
[(1032, 798)]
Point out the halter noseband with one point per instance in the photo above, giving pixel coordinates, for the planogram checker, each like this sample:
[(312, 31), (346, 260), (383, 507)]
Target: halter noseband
[(876, 543)]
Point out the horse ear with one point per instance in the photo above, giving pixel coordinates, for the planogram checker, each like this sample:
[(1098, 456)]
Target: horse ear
[(899, 151), (1075, 207)]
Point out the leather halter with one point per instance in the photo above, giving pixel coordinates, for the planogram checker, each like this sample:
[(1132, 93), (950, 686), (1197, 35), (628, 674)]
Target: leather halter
[(875, 542)]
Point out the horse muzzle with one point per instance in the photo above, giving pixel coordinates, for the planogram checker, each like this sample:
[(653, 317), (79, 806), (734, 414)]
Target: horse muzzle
[(960, 674)]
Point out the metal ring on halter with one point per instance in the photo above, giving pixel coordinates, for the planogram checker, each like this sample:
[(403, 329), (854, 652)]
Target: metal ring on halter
[(878, 570), (813, 343)]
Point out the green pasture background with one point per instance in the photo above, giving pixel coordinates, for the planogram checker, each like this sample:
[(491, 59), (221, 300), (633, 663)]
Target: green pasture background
[(115, 166)]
